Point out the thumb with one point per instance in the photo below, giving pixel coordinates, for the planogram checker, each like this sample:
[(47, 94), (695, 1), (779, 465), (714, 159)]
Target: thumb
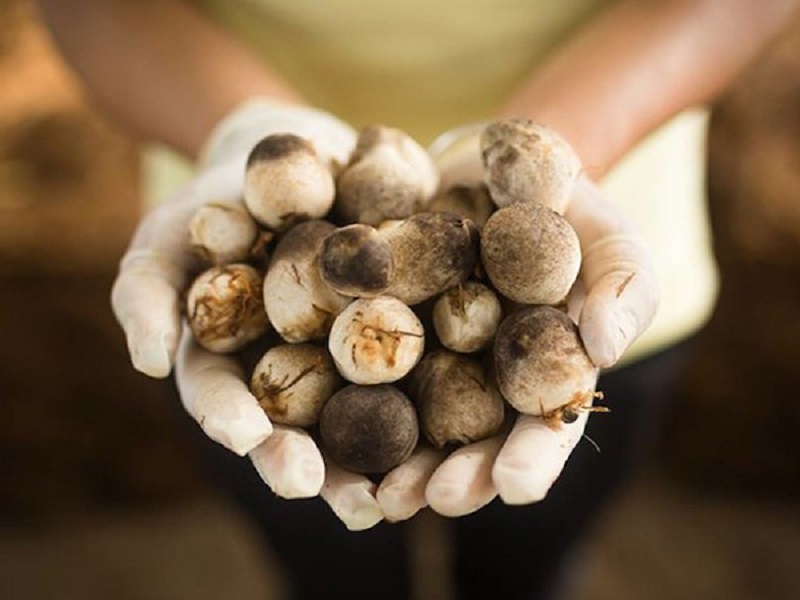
[(617, 272)]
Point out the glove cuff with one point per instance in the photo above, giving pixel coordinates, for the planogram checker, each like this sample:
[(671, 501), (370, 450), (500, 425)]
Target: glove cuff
[(256, 118)]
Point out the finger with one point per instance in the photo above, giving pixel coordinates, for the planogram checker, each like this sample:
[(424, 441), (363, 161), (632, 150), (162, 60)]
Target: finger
[(402, 492), (214, 393), (290, 463), (351, 497), (463, 482), (533, 457), (146, 294), (622, 299), (147, 307), (622, 287)]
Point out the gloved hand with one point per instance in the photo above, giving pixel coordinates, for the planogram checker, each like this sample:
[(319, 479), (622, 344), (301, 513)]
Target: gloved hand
[(146, 302), (613, 302)]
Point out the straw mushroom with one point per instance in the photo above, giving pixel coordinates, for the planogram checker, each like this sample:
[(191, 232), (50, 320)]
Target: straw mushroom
[(466, 317), (286, 182), (542, 366), (223, 233), (300, 305), (527, 162), (224, 308), (390, 176), (432, 252), (457, 402), (357, 261), (369, 429), (376, 340), (292, 382), (530, 253), (412, 260)]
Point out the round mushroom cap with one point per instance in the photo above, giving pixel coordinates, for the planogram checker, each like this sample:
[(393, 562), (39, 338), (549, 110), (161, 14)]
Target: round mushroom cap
[(527, 162), (541, 363), (466, 317), (369, 429), (457, 402), (286, 182), (224, 308), (223, 233), (357, 261), (376, 340), (390, 176), (531, 254), (292, 382)]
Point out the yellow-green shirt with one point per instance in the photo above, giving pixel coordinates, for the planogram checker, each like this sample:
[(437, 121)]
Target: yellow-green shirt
[(424, 66)]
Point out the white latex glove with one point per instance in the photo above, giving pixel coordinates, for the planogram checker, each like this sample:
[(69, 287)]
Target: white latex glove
[(613, 302), (146, 301)]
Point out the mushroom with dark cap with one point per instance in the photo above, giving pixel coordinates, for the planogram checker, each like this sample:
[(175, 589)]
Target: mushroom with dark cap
[(369, 429)]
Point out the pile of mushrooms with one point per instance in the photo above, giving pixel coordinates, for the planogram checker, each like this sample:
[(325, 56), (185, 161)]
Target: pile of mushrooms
[(394, 313)]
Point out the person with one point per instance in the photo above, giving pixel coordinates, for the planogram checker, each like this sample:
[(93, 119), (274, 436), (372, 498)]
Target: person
[(624, 82)]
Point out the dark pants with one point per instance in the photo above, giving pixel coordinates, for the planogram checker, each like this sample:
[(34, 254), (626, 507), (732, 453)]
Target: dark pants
[(501, 551)]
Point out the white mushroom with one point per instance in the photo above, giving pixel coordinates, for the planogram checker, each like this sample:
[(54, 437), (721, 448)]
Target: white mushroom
[(466, 317), (292, 382), (376, 340), (224, 308), (287, 182), (223, 233), (300, 305)]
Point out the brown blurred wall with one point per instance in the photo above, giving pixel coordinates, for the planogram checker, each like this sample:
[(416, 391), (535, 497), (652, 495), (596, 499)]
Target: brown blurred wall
[(736, 423), (68, 181), (82, 430)]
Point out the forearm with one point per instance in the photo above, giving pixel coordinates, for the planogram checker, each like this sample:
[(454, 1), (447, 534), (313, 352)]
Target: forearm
[(158, 66), (641, 62)]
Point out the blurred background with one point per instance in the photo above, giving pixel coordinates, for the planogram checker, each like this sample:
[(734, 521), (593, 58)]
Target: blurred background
[(100, 492)]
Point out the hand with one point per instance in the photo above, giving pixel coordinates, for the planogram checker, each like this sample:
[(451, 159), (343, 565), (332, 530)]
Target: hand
[(146, 301), (613, 302)]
